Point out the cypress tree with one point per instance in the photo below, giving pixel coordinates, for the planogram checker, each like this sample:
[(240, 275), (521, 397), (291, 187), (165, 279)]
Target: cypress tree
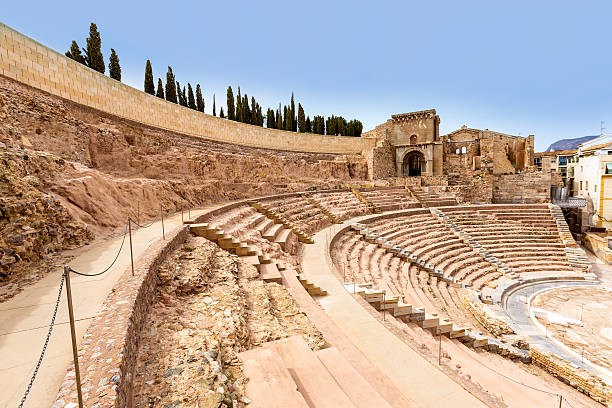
[(214, 106), (288, 119), (254, 111), (239, 116), (221, 115), (270, 119), (160, 88), (246, 112), (190, 98), (301, 119), (170, 86), (114, 69), (279, 118), (308, 125), (293, 118), (199, 99), (75, 53), (93, 51), (231, 115), (179, 95), (149, 87), (183, 95)]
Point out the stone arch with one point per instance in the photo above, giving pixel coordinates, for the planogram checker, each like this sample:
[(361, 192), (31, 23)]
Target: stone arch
[(413, 163)]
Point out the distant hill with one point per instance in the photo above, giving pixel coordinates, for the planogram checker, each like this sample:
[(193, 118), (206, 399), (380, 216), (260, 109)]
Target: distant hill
[(569, 144)]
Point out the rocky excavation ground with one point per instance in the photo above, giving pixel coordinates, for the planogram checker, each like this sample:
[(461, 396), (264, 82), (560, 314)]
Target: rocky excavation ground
[(69, 174), (210, 306), (586, 323)]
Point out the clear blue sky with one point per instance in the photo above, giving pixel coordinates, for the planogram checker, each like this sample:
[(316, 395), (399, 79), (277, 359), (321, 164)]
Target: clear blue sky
[(525, 67)]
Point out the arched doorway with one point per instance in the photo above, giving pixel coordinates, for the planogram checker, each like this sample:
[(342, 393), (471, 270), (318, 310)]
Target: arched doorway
[(414, 164)]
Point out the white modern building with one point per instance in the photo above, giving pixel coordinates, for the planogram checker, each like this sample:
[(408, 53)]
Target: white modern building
[(590, 174)]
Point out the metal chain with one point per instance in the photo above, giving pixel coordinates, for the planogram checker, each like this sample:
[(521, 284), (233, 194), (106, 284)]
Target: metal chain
[(44, 349), (112, 263)]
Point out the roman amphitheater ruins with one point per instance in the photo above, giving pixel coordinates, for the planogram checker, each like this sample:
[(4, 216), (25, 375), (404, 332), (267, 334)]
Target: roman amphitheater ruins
[(403, 268)]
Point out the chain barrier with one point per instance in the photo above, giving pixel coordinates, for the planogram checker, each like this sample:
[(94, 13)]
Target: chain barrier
[(44, 349), (142, 226), (114, 260)]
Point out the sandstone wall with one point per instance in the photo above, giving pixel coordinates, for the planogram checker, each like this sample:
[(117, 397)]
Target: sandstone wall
[(522, 188), (30, 62)]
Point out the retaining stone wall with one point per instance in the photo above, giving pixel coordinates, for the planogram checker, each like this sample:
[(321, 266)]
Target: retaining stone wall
[(108, 352), (574, 376), (30, 62)]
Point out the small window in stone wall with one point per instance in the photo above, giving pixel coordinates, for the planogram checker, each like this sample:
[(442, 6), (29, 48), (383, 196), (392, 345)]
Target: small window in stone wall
[(413, 139), (608, 168), (457, 151), (586, 185), (463, 150)]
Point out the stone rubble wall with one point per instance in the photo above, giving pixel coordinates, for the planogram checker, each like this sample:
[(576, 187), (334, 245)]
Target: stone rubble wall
[(108, 352), (30, 62), (577, 377), (484, 315)]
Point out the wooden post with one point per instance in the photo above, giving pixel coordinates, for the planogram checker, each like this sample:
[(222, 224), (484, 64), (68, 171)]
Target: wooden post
[(75, 354), (189, 212), (560, 400), (161, 211), (182, 219), (440, 349), (131, 250)]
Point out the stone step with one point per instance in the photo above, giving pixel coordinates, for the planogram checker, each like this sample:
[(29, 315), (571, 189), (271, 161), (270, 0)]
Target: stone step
[(316, 384), (272, 232), (282, 238), (360, 392), (269, 273), (270, 384)]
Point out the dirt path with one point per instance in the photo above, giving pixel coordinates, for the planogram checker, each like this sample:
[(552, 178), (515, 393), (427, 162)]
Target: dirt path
[(24, 319)]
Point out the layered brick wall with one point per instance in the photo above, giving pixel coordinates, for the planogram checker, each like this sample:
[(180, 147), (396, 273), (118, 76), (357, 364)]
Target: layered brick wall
[(30, 62)]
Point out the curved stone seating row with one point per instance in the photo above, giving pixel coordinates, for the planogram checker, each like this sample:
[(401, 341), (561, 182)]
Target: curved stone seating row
[(431, 242), (280, 214), (390, 199), (517, 240), (412, 295), (342, 204), (430, 198)]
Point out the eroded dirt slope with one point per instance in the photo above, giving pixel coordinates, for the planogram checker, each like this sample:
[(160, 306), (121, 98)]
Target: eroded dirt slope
[(70, 174)]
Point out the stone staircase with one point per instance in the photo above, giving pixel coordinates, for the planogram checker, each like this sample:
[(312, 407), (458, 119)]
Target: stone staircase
[(576, 255), (324, 210), (279, 219), (428, 199), (311, 288), (268, 269), (363, 199), (287, 373)]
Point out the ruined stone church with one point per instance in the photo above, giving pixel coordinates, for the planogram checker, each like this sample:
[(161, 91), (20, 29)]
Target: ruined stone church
[(410, 144)]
